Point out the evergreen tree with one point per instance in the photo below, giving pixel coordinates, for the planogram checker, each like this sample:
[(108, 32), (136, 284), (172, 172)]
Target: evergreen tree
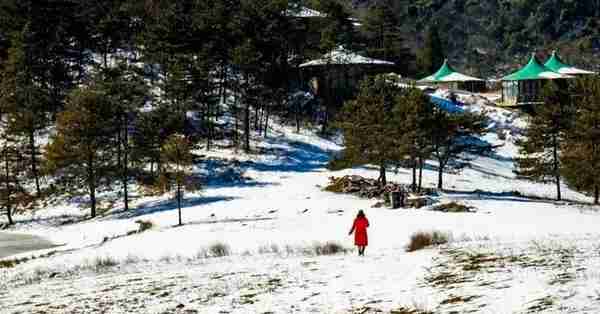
[(177, 159), (451, 138), (369, 126), (126, 91), (431, 57), (581, 153), (24, 102), (383, 33), (414, 114), (12, 192), (81, 152), (541, 147)]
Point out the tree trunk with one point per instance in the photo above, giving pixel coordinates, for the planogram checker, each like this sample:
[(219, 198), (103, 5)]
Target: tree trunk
[(92, 185), (7, 187), (382, 177), (555, 161), (440, 185), (247, 128), (34, 169), (236, 139), (266, 130), (179, 201), (414, 174), (297, 114), (125, 177), (596, 195), (420, 175)]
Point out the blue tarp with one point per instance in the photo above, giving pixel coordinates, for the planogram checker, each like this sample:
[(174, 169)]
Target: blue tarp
[(447, 105)]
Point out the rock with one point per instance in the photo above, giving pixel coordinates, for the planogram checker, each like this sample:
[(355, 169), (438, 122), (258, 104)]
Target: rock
[(180, 306)]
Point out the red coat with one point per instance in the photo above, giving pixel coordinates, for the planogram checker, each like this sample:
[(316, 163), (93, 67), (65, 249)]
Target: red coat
[(360, 231)]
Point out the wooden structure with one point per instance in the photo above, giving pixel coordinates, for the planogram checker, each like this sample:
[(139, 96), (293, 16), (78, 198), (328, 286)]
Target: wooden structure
[(336, 76)]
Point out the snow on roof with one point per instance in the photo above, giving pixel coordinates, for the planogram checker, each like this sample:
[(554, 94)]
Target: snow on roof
[(556, 64), (342, 56), (534, 70), (447, 74), (304, 12)]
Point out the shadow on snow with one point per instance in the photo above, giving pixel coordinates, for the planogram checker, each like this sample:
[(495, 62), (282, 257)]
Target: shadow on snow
[(170, 204)]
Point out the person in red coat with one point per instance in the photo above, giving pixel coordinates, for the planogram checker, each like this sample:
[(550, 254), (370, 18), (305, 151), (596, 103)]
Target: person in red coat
[(359, 227)]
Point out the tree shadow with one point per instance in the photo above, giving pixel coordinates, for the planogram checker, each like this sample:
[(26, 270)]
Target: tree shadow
[(168, 205), (505, 196)]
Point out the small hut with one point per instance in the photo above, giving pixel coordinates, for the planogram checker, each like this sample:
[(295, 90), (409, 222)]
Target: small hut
[(556, 64), (451, 79), (524, 86), (336, 76)]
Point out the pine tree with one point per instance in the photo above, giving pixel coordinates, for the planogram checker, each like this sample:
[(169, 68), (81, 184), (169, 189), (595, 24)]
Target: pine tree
[(24, 102), (431, 57), (81, 152), (126, 91), (414, 114), (541, 147), (12, 192), (371, 134), (580, 155), (450, 138), (383, 34), (177, 160)]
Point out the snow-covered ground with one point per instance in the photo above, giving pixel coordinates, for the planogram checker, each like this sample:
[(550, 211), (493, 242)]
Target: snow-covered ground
[(514, 254)]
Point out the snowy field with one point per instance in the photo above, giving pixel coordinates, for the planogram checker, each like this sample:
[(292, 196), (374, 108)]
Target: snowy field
[(523, 254)]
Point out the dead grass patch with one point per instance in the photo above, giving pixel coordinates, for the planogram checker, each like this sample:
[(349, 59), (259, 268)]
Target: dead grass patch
[(421, 240), (219, 249), (453, 207)]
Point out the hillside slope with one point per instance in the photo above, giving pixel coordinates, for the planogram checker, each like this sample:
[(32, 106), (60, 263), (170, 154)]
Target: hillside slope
[(490, 37), (270, 216)]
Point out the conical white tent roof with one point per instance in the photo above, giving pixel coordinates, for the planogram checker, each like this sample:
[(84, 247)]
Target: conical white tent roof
[(344, 56)]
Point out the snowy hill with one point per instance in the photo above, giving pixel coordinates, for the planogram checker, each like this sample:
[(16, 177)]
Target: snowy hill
[(253, 242)]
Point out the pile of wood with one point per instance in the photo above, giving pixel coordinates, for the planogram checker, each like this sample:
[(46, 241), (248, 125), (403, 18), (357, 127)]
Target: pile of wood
[(362, 187)]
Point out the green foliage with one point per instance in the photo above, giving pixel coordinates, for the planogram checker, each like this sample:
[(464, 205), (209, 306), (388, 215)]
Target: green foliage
[(177, 161), (451, 137), (368, 125), (81, 150), (581, 152), (541, 147), (431, 57)]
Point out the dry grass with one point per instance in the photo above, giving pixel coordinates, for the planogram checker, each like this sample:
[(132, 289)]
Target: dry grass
[(219, 249), (144, 225), (453, 207), (421, 240), (328, 248)]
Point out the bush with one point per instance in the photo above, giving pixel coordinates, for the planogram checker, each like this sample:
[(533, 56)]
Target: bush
[(144, 225), (328, 248), (219, 250), (101, 263), (421, 240), (453, 207)]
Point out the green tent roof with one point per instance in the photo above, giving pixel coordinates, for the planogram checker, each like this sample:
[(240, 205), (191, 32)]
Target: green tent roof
[(534, 70), (447, 74), (557, 65)]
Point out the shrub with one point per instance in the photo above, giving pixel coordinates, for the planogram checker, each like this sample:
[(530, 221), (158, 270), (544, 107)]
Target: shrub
[(453, 207), (144, 225), (421, 240), (101, 263), (219, 250), (328, 248)]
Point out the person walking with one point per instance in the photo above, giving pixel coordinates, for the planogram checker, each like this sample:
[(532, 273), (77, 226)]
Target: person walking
[(359, 227)]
